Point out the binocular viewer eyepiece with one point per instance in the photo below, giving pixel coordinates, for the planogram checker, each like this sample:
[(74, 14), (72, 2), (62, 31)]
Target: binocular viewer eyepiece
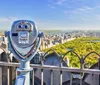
[(23, 33), (24, 38)]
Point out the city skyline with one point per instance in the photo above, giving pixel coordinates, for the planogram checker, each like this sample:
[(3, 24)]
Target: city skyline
[(52, 14)]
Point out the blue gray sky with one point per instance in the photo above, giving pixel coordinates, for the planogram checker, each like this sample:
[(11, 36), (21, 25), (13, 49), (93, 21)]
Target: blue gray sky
[(52, 14)]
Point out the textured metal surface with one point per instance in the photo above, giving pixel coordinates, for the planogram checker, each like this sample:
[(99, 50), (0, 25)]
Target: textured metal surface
[(31, 29)]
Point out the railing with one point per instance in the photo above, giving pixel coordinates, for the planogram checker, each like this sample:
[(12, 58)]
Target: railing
[(47, 67), (43, 67)]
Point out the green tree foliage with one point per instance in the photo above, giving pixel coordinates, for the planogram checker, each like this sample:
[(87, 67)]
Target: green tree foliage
[(81, 46)]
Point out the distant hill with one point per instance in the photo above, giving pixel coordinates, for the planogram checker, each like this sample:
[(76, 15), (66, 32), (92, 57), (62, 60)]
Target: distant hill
[(51, 31)]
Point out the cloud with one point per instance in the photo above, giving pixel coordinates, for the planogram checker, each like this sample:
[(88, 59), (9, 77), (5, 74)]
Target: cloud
[(54, 3), (3, 20), (7, 20), (6, 23), (84, 17), (51, 6), (58, 2), (45, 24), (84, 13), (85, 9)]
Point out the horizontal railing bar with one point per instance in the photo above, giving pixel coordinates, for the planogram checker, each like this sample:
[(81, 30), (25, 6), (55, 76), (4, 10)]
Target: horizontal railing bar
[(9, 64), (48, 67)]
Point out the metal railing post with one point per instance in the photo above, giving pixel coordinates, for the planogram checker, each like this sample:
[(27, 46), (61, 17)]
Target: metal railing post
[(33, 77), (81, 80), (60, 77), (61, 70), (81, 74), (8, 76), (16, 73), (51, 74), (99, 68), (42, 78), (71, 78), (0, 72), (0, 75), (92, 83)]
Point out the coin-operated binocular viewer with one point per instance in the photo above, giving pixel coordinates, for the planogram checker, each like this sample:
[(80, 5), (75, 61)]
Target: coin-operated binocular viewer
[(24, 42)]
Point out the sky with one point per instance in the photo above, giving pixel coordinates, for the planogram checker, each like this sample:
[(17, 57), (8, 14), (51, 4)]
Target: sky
[(52, 14)]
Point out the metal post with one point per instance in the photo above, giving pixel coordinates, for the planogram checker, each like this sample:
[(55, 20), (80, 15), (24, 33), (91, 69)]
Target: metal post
[(81, 80), (24, 70), (51, 73), (26, 73), (61, 71), (42, 69), (0, 75), (60, 77), (71, 78), (92, 83), (0, 72), (10, 77), (33, 77), (16, 73), (99, 69), (81, 62), (41, 76)]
